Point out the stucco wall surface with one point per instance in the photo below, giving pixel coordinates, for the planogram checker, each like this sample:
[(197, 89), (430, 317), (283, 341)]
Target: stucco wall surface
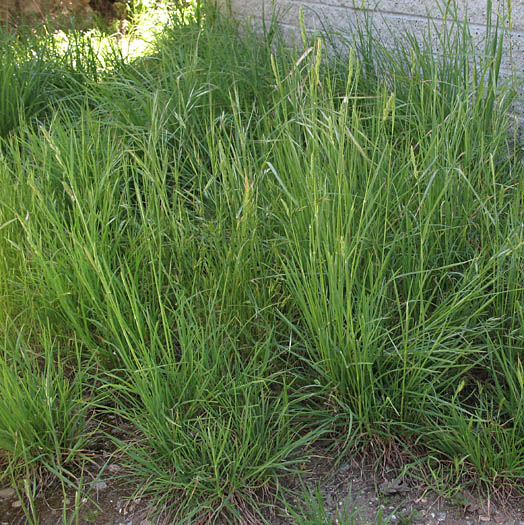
[(391, 16)]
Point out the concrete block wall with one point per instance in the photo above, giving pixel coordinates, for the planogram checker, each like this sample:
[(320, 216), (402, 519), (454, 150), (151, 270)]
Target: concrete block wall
[(391, 16)]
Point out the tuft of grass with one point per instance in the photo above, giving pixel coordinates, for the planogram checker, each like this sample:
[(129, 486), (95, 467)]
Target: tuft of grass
[(45, 408), (23, 78), (213, 417)]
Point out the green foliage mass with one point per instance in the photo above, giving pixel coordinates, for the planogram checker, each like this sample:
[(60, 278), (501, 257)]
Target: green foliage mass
[(242, 248)]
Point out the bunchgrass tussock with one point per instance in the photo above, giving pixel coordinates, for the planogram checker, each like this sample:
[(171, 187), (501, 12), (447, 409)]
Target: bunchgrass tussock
[(242, 248), (212, 415), (22, 82), (45, 407)]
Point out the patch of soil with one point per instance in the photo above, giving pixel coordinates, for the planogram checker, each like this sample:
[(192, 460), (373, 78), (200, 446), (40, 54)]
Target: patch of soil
[(86, 14), (349, 494), (104, 7), (101, 503), (354, 494)]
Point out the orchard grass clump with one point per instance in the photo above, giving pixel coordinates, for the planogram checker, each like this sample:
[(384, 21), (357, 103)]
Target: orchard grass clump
[(240, 250)]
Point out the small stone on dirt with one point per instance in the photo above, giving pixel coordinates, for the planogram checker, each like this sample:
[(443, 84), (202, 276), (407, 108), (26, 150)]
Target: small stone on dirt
[(16, 504), (392, 487), (7, 493), (101, 485)]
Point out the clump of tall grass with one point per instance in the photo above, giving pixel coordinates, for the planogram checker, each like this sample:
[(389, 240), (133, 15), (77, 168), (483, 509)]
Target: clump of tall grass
[(403, 256), (241, 247), (22, 83)]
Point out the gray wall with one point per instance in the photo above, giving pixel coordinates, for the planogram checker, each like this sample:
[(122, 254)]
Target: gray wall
[(392, 15)]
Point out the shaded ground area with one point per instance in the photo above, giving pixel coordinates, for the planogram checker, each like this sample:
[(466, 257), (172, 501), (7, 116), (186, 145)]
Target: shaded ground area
[(354, 493), (86, 14), (346, 494)]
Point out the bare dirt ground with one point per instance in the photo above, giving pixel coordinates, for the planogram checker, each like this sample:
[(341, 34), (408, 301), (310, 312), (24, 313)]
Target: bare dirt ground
[(354, 493), (350, 493)]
